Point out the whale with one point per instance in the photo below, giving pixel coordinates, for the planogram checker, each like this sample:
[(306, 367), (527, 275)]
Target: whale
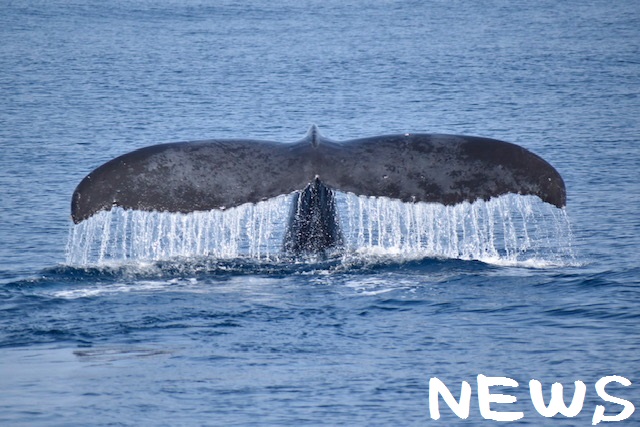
[(224, 173)]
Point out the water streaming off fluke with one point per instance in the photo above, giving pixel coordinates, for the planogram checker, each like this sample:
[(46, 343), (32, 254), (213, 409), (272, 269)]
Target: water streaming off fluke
[(509, 229)]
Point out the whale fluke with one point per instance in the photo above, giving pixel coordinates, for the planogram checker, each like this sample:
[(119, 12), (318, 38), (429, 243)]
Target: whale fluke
[(221, 174)]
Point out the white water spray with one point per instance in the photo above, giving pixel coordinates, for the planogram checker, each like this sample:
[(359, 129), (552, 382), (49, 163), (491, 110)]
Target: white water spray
[(249, 230), (509, 229)]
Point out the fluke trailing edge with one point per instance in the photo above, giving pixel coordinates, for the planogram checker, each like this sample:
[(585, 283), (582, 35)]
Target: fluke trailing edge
[(220, 174)]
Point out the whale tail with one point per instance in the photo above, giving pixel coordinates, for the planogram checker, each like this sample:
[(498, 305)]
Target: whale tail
[(313, 223), (220, 174)]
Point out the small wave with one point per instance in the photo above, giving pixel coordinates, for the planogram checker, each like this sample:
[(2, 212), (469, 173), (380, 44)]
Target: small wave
[(532, 263), (111, 354), (599, 311), (118, 288)]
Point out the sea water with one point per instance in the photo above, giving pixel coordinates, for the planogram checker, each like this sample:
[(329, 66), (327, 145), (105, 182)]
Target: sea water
[(150, 319)]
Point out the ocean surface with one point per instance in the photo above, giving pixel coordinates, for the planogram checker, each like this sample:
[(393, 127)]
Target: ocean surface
[(99, 330)]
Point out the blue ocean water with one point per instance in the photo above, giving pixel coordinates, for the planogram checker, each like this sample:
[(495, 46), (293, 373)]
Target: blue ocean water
[(255, 341)]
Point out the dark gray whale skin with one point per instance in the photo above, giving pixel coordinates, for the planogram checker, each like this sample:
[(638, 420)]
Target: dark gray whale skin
[(221, 174)]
